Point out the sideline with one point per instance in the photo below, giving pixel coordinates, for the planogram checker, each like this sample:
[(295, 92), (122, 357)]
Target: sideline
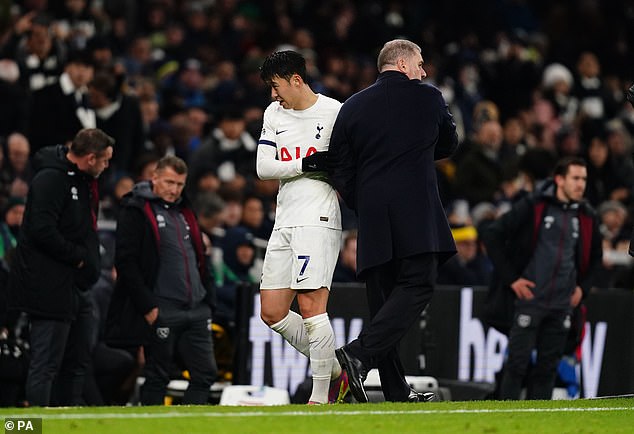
[(185, 414)]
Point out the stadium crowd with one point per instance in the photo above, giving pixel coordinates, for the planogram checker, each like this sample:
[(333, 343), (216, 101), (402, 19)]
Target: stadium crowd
[(527, 83)]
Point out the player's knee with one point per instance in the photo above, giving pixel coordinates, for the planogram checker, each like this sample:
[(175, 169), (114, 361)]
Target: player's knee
[(271, 317)]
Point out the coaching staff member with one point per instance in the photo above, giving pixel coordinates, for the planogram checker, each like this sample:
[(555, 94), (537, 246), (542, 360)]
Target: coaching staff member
[(381, 160), (56, 261), (161, 268)]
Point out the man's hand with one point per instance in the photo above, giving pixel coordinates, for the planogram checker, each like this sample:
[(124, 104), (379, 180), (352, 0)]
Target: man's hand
[(151, 316), (523, 288), (629, 94), (576, 297), (316, 162)]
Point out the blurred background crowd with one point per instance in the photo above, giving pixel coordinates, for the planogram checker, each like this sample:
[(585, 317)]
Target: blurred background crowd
[(527, 82)]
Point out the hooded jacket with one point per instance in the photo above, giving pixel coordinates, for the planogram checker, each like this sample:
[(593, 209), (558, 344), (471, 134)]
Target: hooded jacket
[(137, 261), (511, 242), (58, 234)]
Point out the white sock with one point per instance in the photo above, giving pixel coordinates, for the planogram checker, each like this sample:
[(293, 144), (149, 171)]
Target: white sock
[(322, 355), (292, 328)]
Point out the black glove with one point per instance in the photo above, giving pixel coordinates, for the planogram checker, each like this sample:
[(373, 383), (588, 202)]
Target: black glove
[(317, 162), (629, 94)]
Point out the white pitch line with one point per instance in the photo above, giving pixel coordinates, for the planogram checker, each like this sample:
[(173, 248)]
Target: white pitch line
[(71, 416)]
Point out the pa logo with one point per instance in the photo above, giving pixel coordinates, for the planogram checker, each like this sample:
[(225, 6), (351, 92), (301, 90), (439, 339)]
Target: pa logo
[(74, 193)]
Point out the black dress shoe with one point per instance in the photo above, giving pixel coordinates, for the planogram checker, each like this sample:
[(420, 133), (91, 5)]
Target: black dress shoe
[(415, 396), (357, 373)]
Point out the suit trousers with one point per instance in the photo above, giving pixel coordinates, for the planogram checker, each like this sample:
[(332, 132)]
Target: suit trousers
[(398, 292)]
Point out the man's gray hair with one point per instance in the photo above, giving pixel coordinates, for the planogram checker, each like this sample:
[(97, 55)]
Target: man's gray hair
[(394, 50)]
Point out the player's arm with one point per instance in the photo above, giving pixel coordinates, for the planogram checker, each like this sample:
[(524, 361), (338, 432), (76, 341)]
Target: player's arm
[(269, 167), (267, 164)]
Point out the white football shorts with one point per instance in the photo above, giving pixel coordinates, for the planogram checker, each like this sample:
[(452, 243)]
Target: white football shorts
[(302, 257)]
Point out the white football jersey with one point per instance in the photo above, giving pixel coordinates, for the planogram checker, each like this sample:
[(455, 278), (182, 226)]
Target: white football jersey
[(304, 199)]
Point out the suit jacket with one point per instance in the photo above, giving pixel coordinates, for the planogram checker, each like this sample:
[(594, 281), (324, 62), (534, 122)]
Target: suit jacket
[(381, 160), (125, 126)]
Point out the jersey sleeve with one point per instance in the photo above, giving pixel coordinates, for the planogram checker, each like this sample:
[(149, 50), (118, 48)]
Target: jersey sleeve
[(267, 164)]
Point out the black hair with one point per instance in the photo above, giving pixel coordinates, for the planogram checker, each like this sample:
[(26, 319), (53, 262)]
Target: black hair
[(106, 82), (564, 164), (283, 64)]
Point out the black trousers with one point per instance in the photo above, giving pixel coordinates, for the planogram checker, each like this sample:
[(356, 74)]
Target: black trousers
[(186, 334), (534, 329), (60, 357), (398, 292)]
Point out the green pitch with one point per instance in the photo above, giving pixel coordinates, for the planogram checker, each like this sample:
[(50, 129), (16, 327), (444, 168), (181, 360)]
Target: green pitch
[(534, 417)]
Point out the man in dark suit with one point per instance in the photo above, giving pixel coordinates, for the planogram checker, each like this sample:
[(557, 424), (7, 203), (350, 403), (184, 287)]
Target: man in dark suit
[(381, 160)]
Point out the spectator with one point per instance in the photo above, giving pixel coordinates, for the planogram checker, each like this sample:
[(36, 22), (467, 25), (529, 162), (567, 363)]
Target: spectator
[(13, 100), (617, 264), (346, 269), (604, 182), (39, 54), (557, 83), (75, 25), (470, 267), (119, 115), (16, 171), (479, 173), (10, 227), (229, 151), (254, 219), (594, 100), (61, 109), (238, 255)]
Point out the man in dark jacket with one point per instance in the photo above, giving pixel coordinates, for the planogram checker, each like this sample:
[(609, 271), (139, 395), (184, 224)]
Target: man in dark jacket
[(546, 250), (119, 115), (162, 271), (382, 153), (60, 109), (57, 260)]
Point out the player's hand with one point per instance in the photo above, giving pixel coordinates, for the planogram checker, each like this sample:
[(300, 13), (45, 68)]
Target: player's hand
[(523, 288), (317, 162), (629, 94)]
